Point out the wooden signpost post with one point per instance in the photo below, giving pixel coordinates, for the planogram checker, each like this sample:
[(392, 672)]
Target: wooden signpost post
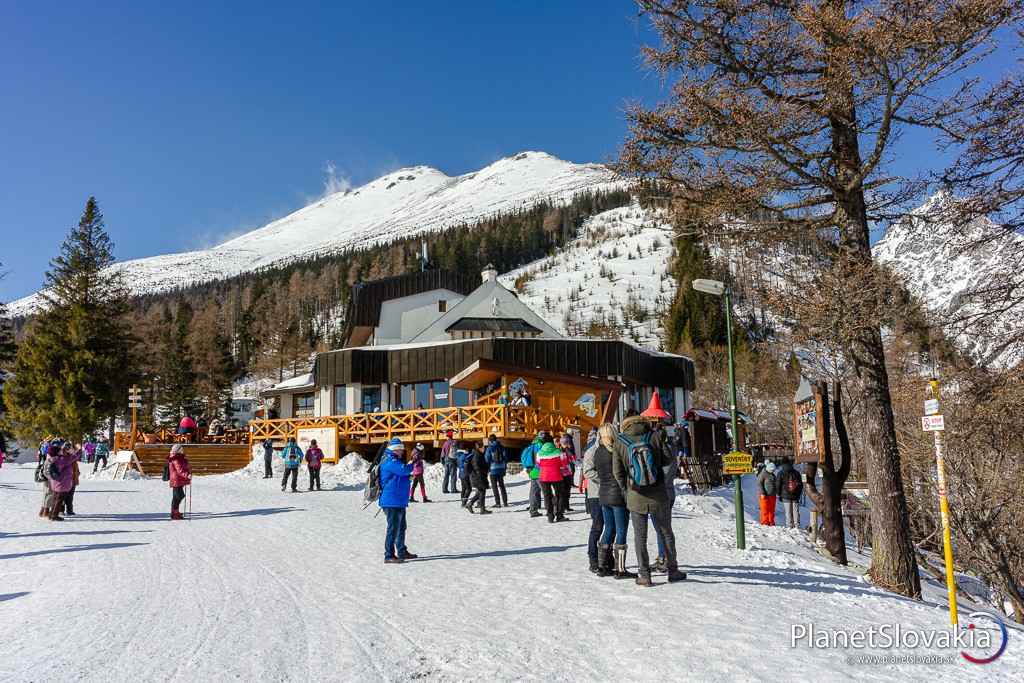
[(134, 402)]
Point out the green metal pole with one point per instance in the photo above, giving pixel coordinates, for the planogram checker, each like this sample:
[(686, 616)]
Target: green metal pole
[(741, 526)]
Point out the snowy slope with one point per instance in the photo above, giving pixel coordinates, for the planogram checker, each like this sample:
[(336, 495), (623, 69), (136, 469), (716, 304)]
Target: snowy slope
[(617, 268), (935, 261), (400, 204), (265, 585)]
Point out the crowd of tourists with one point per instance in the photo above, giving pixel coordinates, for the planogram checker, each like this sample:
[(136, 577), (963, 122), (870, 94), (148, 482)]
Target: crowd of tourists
[(58, 470)]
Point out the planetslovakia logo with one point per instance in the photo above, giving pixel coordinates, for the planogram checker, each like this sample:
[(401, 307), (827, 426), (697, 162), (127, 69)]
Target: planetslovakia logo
[(1002, 645)]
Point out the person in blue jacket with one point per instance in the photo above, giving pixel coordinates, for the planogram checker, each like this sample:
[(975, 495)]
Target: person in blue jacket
[(394, 499), (497, 459), (463, 454), (292, 456)]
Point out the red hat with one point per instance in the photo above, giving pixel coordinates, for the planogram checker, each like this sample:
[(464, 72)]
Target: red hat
[(654, 408), (449, 433)]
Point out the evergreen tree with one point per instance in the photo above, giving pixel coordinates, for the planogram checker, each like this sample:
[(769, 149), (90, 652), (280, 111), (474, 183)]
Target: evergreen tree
[(7, 352), (75, 364), (177, 391), (694, 320)]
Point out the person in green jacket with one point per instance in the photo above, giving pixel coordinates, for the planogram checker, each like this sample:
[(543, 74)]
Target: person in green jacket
[(642, 501), (528, 459)]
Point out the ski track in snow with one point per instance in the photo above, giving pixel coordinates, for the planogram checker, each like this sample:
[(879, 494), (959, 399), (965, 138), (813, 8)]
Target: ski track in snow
[(265, 585)]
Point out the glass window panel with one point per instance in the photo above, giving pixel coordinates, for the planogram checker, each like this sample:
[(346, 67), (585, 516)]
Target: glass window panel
[(460, 397), (422, 395), (440, 395), (371, 399), (340, 400)]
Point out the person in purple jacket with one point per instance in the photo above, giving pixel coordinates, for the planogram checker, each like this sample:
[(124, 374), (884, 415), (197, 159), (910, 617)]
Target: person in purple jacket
[(314, 456), (417, 474), (59, 469)]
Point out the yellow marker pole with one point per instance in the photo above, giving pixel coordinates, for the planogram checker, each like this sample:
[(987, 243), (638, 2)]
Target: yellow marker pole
[(947, 541)]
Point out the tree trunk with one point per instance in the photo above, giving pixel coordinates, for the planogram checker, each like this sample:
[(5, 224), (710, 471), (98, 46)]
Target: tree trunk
[(893, 565), (830, 499)]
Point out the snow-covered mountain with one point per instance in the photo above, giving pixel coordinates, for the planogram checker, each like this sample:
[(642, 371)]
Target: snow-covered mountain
[(956, 272), (613, 275), (406, 202)]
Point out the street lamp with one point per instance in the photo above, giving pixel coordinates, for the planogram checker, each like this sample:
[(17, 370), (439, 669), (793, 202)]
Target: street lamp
[(716, 288)]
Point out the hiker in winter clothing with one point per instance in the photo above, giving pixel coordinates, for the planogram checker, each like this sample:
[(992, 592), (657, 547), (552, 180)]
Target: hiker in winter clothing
[(68, 499), (417, 474), (638, 466), (53, 467), (394, 501), (766, 486), (89, 447), (613, 507), (314, 458), (451, 467), (463, 454), (180, 476), (568, 469), (549, 462), (478, 470), (528, 459), (789, 487), (102, 453), (497, 460), (268, 458), (593, 504), (292, 456)]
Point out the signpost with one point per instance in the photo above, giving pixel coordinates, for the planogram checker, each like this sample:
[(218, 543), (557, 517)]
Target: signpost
[(134, 402), (936, 424), (737, 462)]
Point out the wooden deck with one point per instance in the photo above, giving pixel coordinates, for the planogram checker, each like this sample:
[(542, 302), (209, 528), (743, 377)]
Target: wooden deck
[(204, 458), (511, 425)]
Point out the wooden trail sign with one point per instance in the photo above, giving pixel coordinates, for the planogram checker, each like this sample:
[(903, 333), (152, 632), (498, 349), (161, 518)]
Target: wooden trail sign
[(809, 424), (124, 461)]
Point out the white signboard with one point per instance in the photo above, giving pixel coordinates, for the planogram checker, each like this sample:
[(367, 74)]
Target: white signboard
[(123, 457), (931, 406), (326, 439), (933, 423)]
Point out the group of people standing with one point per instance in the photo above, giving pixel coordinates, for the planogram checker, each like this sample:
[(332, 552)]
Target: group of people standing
[(780, 483), (293, 456), (57, 470), (476, 467)]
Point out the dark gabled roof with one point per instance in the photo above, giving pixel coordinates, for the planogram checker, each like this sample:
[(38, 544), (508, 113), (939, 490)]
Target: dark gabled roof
[(367, 297), (492, 325)]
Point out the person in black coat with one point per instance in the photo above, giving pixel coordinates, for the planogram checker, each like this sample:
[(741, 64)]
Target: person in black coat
[(478, 469)]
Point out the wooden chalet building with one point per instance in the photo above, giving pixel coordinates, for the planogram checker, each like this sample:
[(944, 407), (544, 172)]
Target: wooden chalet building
[(433, 351)]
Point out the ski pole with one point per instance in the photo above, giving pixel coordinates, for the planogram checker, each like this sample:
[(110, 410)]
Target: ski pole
[(190, 502)]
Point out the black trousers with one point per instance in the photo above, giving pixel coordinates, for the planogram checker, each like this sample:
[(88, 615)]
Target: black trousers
[(479, 498), (662, 521), (498, 486), (553, 498), (294, 473), (97, 462), (314, 478), (268, 465), (596, 526), (177, 496), (68, 501), (465, 487), (566, 492)]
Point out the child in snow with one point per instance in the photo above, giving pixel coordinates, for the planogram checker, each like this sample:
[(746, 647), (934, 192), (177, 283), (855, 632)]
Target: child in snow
[(417, 474), (766, 486), (497, 459), (292, 456), (180, 476), (314, 456), (463, 453)]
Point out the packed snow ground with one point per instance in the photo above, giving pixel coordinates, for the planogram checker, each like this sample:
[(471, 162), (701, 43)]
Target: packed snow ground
[(265, 585)]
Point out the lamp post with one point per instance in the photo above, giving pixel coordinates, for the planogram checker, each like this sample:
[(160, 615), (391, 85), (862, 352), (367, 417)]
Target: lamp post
[(716, 288)]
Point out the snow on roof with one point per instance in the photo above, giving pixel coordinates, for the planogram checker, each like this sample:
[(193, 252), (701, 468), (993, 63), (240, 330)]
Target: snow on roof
[(293, 384)]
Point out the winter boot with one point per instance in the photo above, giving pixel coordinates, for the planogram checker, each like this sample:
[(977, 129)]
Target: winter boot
[(44, 512), (604, 560), (674, 574), (620, 564), (393, 560), (659, 565), (176, 514), (407, 555), (644, 580), (534, 513), (470, 508), (485, 511)]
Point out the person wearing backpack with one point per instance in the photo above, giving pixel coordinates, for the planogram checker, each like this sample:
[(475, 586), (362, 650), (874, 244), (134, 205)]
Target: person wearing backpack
[(394, 501), (638, 465), (292, 456), (791, 487), (767, 487), (549, 462), (478, 470), (102, 453), (497, 459), (314, 459), (451, 467), (528, 459), (179, 476), (463, 454), (417, 474)]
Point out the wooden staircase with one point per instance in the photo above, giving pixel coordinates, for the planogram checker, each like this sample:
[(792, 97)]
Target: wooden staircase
[(205, 458)]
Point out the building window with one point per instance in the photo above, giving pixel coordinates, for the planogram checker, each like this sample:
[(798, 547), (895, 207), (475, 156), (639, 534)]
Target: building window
[(371, 399), (442, 306), (460, 397), (303, 405), (340, 400)]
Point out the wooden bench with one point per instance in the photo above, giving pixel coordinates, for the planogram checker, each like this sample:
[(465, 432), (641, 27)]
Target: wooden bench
[(203, 458)]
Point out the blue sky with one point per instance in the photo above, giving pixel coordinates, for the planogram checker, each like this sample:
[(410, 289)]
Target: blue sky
[(192, 122)]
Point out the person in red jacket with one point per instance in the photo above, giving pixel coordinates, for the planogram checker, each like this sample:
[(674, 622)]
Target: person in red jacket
[(549, 461), (314, 456), (180, 477)]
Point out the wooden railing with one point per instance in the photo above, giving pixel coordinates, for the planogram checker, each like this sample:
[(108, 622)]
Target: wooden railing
[(124, 440), (469, 422)]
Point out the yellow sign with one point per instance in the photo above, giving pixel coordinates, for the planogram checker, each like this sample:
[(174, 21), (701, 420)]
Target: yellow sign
[(737, 469), (738, 458)]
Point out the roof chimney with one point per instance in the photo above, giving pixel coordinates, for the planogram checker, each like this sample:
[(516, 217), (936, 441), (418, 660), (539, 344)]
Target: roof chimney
[(489, 274)]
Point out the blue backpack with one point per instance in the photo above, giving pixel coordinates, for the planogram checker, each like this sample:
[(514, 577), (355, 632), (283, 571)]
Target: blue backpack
[(497, 455), (462, 458), (643, 468)]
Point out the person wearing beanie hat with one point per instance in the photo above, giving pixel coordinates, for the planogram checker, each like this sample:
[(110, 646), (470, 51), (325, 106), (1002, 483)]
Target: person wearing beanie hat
[(477, 469), (179, 476), (528, 459), (417, 474), (549, 464), (497, 459), (394, 501), (451, 468), (463, 455), (767, 486), (292, 456)]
